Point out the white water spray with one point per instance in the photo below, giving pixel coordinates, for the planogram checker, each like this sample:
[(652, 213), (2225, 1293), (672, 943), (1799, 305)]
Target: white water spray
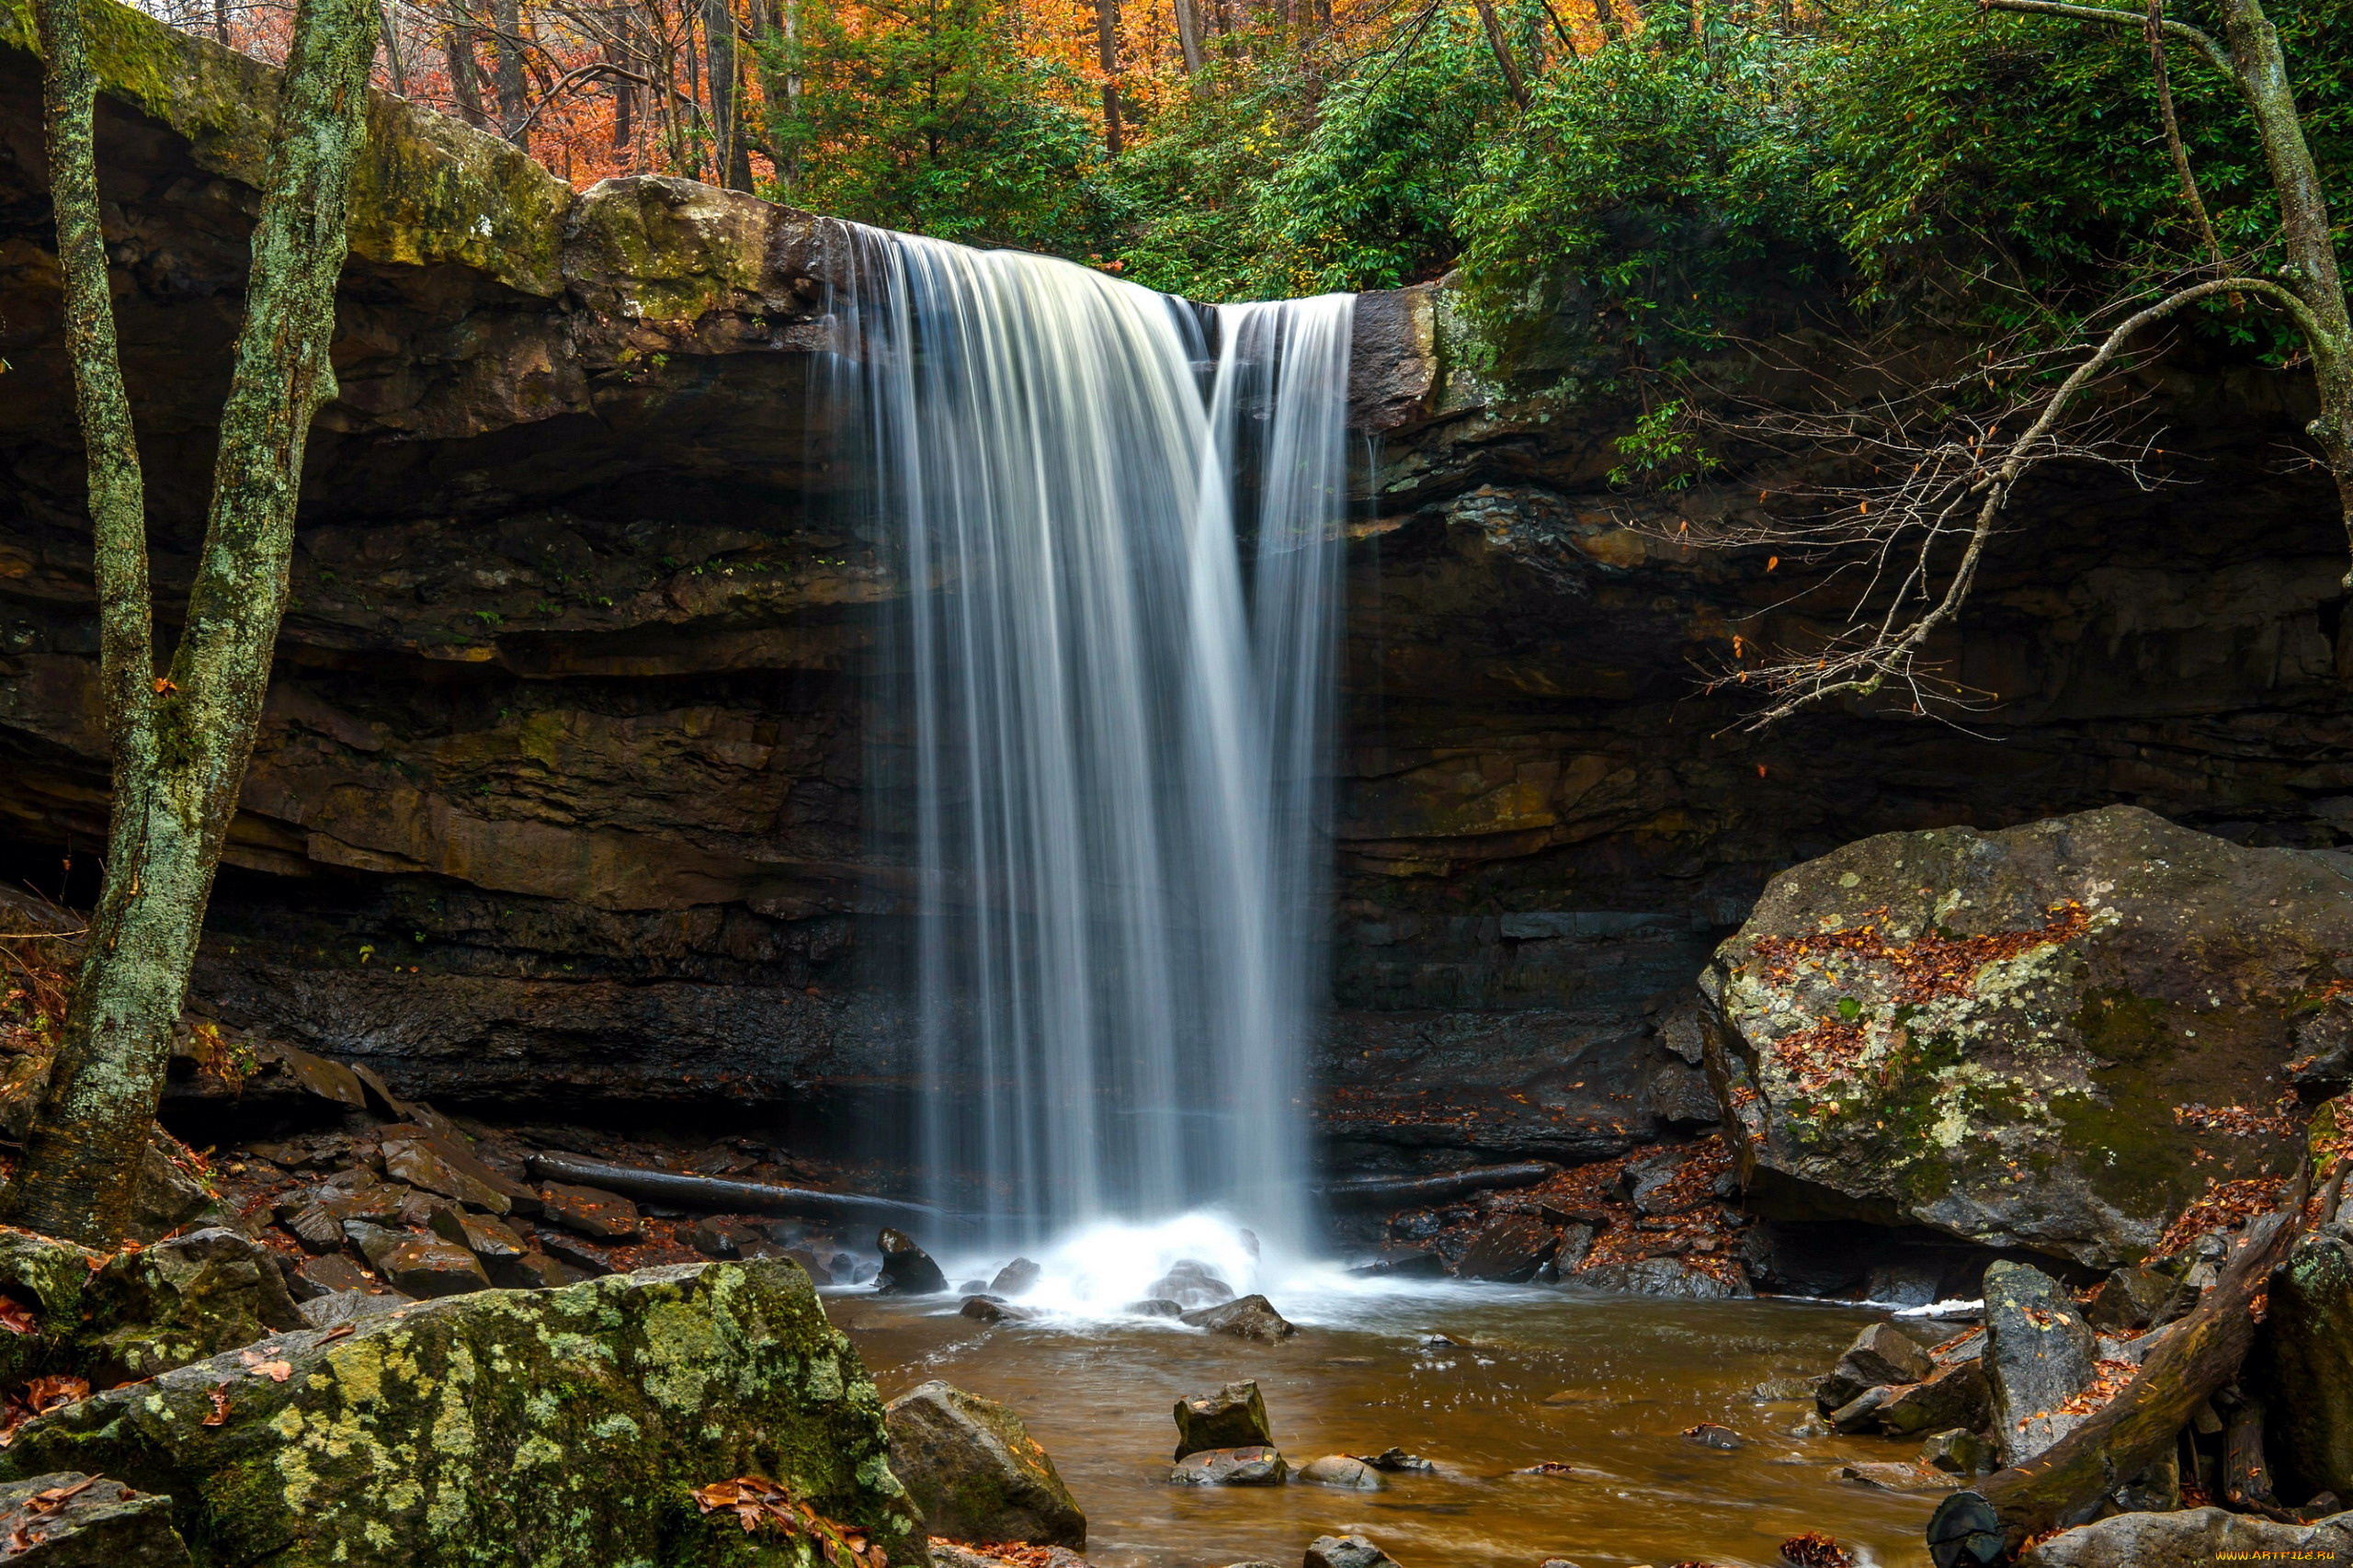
[(1111, 687)]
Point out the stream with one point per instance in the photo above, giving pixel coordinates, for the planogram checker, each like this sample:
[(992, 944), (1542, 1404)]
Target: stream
[(1605, 1384)]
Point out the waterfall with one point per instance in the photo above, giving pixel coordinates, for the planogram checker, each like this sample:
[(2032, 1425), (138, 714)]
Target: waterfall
[(1107, 705)]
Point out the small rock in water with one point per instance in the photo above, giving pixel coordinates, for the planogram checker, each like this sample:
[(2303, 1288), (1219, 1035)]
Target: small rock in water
[(1815, 1550), (1777, 1390), (1234, 1417), (1348, 1473), (1347, 1552), (1252, 1317), (1546, 1467), (988, 1309), (1860, 1414), (1884, 1354), (907, 1269), (1396, 1459), (1955, 1395), (1415, 1263), (1958, 1453), (1708, 1434), (1231, 1467), (974, 1287), (1887, 1476), (1016, 1278), (1190, 1283), (1158, 1307)]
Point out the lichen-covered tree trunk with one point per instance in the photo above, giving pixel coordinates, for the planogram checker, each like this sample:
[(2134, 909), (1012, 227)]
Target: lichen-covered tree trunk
[(181, 739), (2312, 271)]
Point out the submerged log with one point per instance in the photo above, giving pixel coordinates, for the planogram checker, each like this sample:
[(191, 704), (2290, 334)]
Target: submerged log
[(721, 1195), (2064, 1485), (1405, 1192)]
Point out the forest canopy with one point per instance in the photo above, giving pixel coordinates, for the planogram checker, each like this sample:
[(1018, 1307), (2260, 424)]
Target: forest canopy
[(1655, 166)]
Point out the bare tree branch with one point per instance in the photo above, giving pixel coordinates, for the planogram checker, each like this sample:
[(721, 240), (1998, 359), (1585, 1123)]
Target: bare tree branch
[(2206, 42)]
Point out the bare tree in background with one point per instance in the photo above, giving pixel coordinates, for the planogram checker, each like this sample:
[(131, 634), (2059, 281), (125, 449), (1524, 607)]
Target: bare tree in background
[(1920, 537)]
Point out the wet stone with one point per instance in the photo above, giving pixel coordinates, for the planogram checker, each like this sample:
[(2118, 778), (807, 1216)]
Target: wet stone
[(1511, 1250), (1892, 1476), (1959, 1452), (1954, 1395), (422, 1266), (1231, 1467), (1234, 1417), (1397, 1460), (598, 1215), (988, 1309), (1708, 1434), (1252, 1317), (1190, 1284), (1341, 1470), (2038, 1354), (1347, 1552), (335, 1273), (1884, 1354), (537, 1271), (1016, 1278), (907, 1269), (1156, 1307), (488, 1240)]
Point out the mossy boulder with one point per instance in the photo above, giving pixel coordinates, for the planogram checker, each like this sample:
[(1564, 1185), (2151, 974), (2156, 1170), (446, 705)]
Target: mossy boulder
[(136, 1312), (2055, 1037), (564, 1429)]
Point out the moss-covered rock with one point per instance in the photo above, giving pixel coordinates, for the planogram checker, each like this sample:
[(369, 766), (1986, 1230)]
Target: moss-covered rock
[(2055, 1037), (972, 1467), (139, 1312), (67, 1520), (562, 1428)]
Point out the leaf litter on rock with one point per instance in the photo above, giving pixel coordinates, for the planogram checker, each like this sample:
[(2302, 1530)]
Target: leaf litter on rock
[(761, 1504)]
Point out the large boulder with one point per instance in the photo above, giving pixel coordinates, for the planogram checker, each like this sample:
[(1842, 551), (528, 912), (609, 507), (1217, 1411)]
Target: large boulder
[(975, 1471), (566, 1428), (134, 1313), (2039, 1352), (2027, 1038), (2193, 1538), (69, 1520)]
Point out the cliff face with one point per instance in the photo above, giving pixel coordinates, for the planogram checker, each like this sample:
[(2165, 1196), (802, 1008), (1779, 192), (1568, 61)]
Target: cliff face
[(559, 796)]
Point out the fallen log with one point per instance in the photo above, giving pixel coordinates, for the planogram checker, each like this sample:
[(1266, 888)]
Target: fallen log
[(2063, 1485), (1414, 1192), (722, 1196)]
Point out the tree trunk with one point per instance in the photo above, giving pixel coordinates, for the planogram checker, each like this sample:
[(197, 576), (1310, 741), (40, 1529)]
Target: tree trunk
[(2261, 68), (1106, 45), (465, 82), (1189, 35), (181, 742), (732, 155), (506, 23), (1514, 83), (393, 50)]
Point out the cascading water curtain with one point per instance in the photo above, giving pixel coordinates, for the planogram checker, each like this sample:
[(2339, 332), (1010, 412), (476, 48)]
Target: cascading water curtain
[(1107, 710)]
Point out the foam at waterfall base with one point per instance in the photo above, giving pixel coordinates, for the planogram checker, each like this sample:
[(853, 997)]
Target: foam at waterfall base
[(1098, 1272)]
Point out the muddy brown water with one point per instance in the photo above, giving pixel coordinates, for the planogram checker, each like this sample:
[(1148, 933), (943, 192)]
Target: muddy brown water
[(1605, 1385)]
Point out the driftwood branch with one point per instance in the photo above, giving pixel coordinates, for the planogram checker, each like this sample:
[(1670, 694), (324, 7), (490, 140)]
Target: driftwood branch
[(2063, 1485), (722, 1196), (1406, 1192)]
